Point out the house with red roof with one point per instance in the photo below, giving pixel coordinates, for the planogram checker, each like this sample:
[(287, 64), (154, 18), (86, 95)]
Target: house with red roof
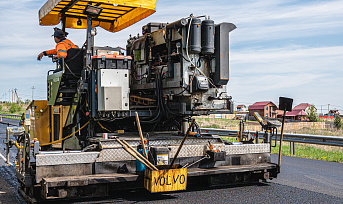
[(297, 115), (303, 106), (241, 108), (264, 108), (299, 112)]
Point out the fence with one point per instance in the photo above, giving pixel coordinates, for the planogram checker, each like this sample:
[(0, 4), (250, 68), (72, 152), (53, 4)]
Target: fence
[(299, 138)]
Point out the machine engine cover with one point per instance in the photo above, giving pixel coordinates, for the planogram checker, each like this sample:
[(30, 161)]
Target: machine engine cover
[(113, 89)]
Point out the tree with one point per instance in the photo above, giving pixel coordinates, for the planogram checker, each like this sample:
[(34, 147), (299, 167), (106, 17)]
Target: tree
[(27, 101), (312, 116), (14, 108), (338, 122)]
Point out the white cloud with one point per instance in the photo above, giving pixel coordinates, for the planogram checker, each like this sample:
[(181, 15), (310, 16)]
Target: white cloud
[(310, 75), (288, 60)]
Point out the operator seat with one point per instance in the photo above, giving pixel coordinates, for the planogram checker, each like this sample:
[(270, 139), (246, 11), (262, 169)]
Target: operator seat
[(73, 65), (74, 61)]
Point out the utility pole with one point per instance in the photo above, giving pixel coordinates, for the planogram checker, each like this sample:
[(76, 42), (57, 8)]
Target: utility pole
[(328, 108), (33, 90), (321, 109), (9, 96), (15, 91)]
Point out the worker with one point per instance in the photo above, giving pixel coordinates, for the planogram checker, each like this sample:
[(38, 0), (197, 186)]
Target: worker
[(62, 46)]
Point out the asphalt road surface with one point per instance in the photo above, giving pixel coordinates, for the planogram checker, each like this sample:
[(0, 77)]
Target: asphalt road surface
[(300, 181)]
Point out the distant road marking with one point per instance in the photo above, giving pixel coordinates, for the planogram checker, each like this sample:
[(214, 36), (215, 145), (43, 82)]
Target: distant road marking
[(5, 159)]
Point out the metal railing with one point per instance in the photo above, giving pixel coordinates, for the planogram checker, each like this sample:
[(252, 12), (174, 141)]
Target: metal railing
[(299, 138), (10, 116)]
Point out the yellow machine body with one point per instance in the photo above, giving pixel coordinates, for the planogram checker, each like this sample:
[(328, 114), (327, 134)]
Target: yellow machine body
[(47, 121)]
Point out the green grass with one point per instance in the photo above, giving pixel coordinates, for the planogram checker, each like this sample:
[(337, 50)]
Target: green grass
[(309, 152), (230, 139), (11, 117), (5, 110), (303, 151)]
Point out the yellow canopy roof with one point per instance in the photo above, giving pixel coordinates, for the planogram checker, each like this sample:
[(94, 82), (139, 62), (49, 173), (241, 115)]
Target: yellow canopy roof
[(115, 16)]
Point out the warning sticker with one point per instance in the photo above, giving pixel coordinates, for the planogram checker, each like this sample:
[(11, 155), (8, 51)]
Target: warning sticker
[(162, 159)]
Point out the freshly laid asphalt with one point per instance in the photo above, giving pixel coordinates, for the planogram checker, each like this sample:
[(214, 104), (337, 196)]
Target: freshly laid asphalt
[(312, 175), (300, 181)]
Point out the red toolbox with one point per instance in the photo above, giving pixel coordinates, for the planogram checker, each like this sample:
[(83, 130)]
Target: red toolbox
[(111, 62)]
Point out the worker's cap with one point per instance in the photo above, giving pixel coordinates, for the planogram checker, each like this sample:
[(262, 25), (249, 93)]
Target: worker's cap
[(58, 33)]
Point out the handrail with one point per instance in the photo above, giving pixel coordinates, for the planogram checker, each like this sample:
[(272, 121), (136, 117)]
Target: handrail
[(300, 138)]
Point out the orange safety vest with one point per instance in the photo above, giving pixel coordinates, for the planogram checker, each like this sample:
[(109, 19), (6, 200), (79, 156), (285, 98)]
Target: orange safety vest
[(61, 48)]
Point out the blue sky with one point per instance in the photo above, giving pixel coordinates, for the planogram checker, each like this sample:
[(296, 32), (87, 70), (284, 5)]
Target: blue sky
[(280, 47)]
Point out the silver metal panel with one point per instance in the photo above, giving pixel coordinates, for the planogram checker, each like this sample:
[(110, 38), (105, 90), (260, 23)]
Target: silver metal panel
[(114, 155), (108, 144), (247, 148), (66, 158), (119, 154), (114, 144), (187, 141), (63, 170), (112, 98), (188, 151), (113, 89)]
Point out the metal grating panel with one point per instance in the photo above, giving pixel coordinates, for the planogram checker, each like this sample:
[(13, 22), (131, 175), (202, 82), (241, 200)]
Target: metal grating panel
[(105, 144), (66, 158), (114, 155), (119, 154), (188, 151), (247, 148)]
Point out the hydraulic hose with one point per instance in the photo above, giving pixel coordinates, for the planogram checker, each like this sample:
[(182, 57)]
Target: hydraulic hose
[(17, 145), (57, 141)]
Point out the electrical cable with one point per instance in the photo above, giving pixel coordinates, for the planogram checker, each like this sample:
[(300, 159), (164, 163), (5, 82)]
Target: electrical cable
[(156, 116), (70, 70), (57, 141), (189, 29), (162, 111), (104, 127), (184, 57)]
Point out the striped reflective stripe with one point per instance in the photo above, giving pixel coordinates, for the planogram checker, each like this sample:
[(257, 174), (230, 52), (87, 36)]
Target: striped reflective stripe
[(62, 51), (67, 43)]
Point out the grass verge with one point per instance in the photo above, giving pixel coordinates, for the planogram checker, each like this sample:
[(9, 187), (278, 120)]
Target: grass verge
[(15, 118), (309, 152)]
